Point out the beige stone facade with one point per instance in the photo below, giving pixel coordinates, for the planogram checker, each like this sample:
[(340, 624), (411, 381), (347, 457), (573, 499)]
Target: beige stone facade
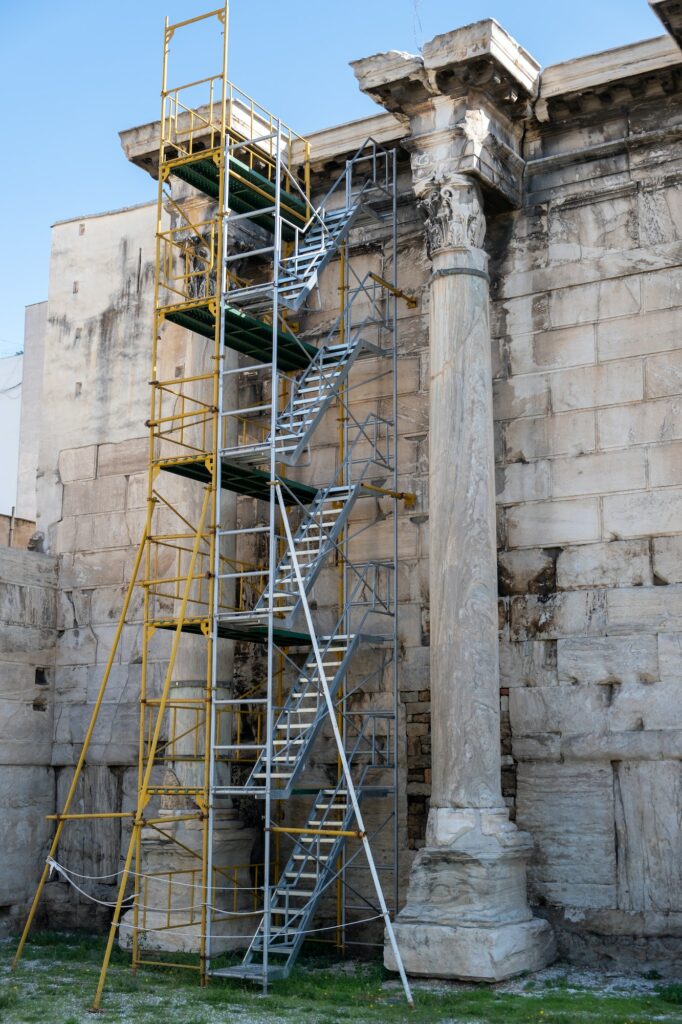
[(577, 173)]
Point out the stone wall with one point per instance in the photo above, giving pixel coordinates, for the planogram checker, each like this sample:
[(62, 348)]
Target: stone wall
[(588, 403), (35, 323), (28, 612)]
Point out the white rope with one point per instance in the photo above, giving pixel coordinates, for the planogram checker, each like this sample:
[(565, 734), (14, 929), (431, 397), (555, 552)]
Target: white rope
[(194, 935), (54, 866), (157, 878)]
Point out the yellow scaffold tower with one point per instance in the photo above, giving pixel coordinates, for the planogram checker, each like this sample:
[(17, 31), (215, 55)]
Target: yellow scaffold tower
[(241, 540)]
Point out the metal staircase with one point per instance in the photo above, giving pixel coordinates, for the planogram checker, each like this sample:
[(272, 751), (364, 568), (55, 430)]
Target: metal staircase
[(315, 540), (364, 181), (312, 393), (311, 868)]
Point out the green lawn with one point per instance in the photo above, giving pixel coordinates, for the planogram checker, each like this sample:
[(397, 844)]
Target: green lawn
[(56, 981)]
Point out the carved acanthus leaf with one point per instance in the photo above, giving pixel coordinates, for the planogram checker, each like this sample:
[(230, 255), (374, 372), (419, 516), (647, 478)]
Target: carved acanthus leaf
[(454, 213)]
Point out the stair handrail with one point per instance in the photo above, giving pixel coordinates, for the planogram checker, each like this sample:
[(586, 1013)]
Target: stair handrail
[(307, 680), (345, 178)]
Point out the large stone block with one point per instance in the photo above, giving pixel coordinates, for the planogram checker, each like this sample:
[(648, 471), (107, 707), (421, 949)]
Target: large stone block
[(588, 230), (599, 474), (569, 811), (594, 301), (665, 465), (662, 290), (659, 215), (522, 482), (590, 386), (559, 709), (528, 663), (663, 375), (614, 564), (552, 350), (667, 559), (551, 523), (645, 610), (87, 569), (28, 568), (544, 436), (643, 512), (104, 495), (123, 457), (648, 422), (520, 396), (26, 796), (646, 706), (78, 463), (573, 613), (670, 655), (606, 659), (24, 605), (527, 571), (648, 804), (26, 714), (637, 335)]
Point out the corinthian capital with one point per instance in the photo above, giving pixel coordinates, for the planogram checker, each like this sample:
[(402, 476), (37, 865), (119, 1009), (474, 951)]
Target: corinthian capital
[(454, 213)]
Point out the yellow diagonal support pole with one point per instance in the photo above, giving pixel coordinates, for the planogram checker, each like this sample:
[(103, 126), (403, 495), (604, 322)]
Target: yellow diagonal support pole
[(143, 795), (86, 742)]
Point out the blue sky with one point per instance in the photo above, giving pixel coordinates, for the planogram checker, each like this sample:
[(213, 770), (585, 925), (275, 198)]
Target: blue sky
[(75, 72)]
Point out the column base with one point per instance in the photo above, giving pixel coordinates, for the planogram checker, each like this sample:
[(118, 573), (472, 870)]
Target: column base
[(466, 914)]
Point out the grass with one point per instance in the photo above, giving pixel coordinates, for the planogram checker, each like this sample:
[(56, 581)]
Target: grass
[(57, 978)]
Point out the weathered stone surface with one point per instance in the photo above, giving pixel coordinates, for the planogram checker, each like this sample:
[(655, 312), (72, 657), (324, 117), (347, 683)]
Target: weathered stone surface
[(645, 609), (617, 564), (647, 422), (599, 474), (556, 803), (588, 386), (665, 465), (608, 659), (663, 375), (645, 512), (667, 559), (528, 663), (550, 350), (123, 458), (553, 523), (103, 495), (26, 796), (565, 614), (540, 436), (670, 654), (649, 836), (78, 464), (519, 483), (527, 571)]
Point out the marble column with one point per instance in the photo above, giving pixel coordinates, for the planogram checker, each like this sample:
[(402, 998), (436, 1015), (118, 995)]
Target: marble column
[(464, 101), (466, 914)]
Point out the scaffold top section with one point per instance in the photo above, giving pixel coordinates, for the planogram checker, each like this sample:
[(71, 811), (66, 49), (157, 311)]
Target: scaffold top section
[(207, 113)]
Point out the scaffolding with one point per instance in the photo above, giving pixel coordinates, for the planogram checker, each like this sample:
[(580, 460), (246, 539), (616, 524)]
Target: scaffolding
[(244, 544)]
